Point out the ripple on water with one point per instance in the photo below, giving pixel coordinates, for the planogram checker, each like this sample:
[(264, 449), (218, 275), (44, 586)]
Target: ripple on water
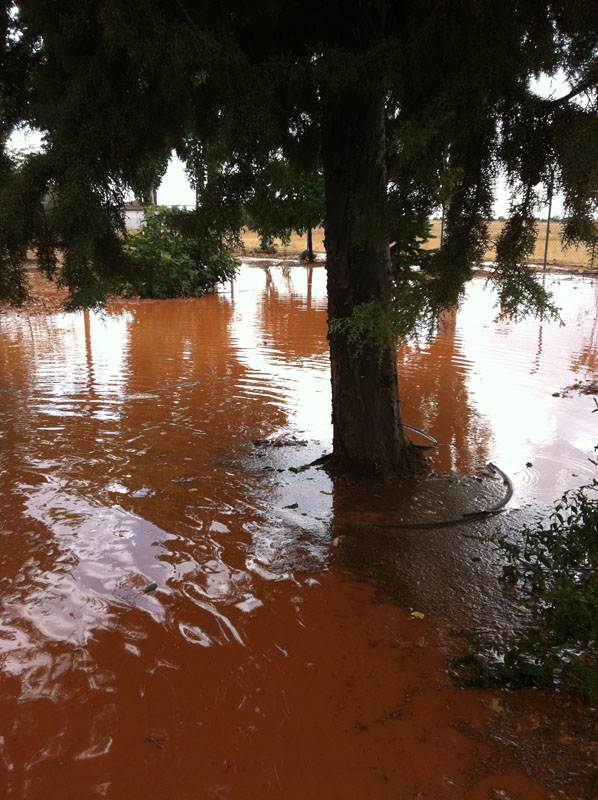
[(194, 635), (126, 460), (220, 623)]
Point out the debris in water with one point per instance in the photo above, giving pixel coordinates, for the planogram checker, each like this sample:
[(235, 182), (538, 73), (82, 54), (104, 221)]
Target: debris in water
[(500, 794), (417, 614), (382, 576), (280, 441), (496, 706), (150, 588), (147, 392), (293, 505), (583, 387), (158, 743)]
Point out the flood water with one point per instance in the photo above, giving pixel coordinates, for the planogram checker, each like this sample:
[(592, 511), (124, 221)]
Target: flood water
[(267, 662)]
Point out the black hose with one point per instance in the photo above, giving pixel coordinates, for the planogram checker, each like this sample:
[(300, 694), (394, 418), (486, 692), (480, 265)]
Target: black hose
[(499, 506), (470, 516), (421, 433)]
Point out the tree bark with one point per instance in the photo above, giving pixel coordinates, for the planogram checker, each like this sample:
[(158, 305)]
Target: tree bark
[(310, 245), (368, 434)]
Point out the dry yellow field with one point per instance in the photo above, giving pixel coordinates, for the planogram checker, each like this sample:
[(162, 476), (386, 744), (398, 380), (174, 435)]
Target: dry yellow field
[(298, 243), (573, 256)]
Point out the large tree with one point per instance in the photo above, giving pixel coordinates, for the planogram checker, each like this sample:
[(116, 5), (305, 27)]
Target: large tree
[(404, 106)]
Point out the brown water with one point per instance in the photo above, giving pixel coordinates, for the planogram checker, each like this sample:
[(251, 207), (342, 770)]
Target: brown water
[(260, 667)]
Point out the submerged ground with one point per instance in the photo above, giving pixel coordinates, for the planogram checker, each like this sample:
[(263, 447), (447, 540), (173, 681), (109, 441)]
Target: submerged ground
[(278, 655)]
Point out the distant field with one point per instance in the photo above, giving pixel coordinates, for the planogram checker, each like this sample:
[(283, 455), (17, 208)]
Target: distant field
[(573, 256), (298, 243)]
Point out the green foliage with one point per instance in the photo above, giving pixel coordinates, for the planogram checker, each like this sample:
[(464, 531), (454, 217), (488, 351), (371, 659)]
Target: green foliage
[(370, 324), (556, 569), (519, 293), (268, 235), (418, 298), (282, 202), (171, 257), (148, 177), (244, 98)]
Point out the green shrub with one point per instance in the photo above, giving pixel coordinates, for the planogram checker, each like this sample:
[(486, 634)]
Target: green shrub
[(556, 569), (175, 254)]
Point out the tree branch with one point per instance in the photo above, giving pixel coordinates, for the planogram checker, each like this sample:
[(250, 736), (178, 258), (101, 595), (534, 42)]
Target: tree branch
[(187, 15), (590, 81)]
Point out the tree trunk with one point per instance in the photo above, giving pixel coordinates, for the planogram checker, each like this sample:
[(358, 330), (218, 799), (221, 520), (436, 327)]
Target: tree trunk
[(310, 245), (368, 434)]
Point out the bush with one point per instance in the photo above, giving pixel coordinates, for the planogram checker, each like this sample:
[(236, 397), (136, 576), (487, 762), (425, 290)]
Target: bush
[(556, 567), (176, 255)]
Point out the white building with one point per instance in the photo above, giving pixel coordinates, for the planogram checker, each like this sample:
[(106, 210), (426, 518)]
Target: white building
[(133, 216)]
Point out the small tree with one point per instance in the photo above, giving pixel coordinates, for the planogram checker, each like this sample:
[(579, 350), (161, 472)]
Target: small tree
[(284, 202)]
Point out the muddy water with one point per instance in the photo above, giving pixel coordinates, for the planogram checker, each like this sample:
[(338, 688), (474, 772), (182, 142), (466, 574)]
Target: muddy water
[(486, 388), (259, 667)]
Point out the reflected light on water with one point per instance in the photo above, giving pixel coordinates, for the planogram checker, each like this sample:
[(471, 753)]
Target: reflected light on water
[(251, 669), (488, 388)]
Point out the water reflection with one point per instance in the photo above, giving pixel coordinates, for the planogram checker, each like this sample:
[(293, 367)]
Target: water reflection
[(515, 393), (127, 459), (435, 395), (280, 337), (129, 486), (585, 361)]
